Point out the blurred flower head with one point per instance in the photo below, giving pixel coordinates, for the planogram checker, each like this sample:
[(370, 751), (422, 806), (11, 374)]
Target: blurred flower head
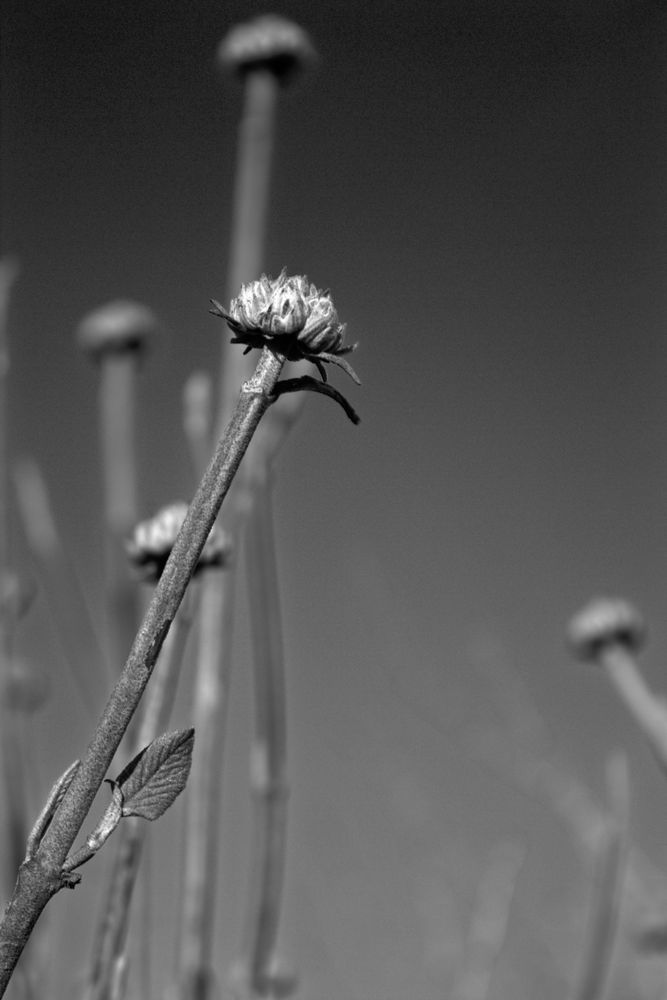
[(152, 541), (268, 42), (605, 622), (118, 327)]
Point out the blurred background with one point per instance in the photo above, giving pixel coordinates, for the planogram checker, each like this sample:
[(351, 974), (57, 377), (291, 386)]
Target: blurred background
[(482, 187)]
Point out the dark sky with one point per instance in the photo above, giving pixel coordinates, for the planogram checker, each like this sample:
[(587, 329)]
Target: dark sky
[(481, 185)]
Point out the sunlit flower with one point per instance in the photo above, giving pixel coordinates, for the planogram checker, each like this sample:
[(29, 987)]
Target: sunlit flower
[(292, 317), (152, 541)]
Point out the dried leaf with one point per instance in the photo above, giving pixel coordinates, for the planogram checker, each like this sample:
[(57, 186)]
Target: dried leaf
[(153, 779)]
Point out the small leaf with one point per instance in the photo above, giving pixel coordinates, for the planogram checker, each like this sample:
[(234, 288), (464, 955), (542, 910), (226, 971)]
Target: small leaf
[(153, 779)]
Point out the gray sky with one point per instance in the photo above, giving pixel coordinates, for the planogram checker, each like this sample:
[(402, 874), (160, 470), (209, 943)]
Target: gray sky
[(481, 186)]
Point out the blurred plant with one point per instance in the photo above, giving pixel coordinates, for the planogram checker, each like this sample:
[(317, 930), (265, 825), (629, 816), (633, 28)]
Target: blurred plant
[(609, 632), (607, 888), (116, 336)]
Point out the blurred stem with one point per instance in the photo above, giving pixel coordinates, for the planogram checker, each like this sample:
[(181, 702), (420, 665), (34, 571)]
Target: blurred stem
[(647, 709), (607, 886), (197, 423), (41, 877), (12, 790), (268, 771), (108, 952), (246, 252), (250, 210), (202, 842), (70, 615), (118, 371), (9, 272), (489, 924)]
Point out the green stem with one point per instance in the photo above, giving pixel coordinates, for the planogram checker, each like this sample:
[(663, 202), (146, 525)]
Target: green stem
[(40, 878)]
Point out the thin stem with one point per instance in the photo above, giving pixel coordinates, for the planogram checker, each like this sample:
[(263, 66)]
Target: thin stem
[(489, 924), (250, 205), (200, 865), (118, 372), (197, 422), (40, 878), (607, 887), (248, 234), (648, 711), (268, 771), (72, 622), (112, 935)]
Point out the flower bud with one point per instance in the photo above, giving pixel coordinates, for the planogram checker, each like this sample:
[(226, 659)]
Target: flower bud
[(292, 317)]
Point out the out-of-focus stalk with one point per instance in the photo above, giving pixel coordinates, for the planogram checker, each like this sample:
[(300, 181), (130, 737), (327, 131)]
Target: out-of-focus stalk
[(70, 615), (607, 886), (115, 335), (263, 52), (197, 419), (489, 924), (13, 826), (268, 760)]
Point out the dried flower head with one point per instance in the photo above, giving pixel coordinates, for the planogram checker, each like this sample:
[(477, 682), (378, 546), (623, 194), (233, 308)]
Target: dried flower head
[(603, 623), (152, 541), (268, 42), (116, 328), (290, 316)]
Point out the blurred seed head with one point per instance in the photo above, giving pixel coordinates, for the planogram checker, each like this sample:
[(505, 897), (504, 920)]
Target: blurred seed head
[(269, 43), (116, 328), (152, 541), (603, 623)]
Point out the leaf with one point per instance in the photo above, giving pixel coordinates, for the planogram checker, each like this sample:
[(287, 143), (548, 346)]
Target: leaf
[(153, 779)]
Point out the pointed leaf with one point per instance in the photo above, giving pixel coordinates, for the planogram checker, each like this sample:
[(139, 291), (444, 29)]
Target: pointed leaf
[(153, 779)]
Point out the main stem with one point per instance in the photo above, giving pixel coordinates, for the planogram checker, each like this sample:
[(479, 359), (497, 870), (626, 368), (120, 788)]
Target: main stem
[(40, 877)]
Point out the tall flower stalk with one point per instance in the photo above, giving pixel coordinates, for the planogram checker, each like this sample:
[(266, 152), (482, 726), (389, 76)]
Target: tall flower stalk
[(268, 756), (263, 53), (115, 336)]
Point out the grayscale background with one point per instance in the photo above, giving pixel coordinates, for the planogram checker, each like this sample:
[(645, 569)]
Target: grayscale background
[(482, 187)]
